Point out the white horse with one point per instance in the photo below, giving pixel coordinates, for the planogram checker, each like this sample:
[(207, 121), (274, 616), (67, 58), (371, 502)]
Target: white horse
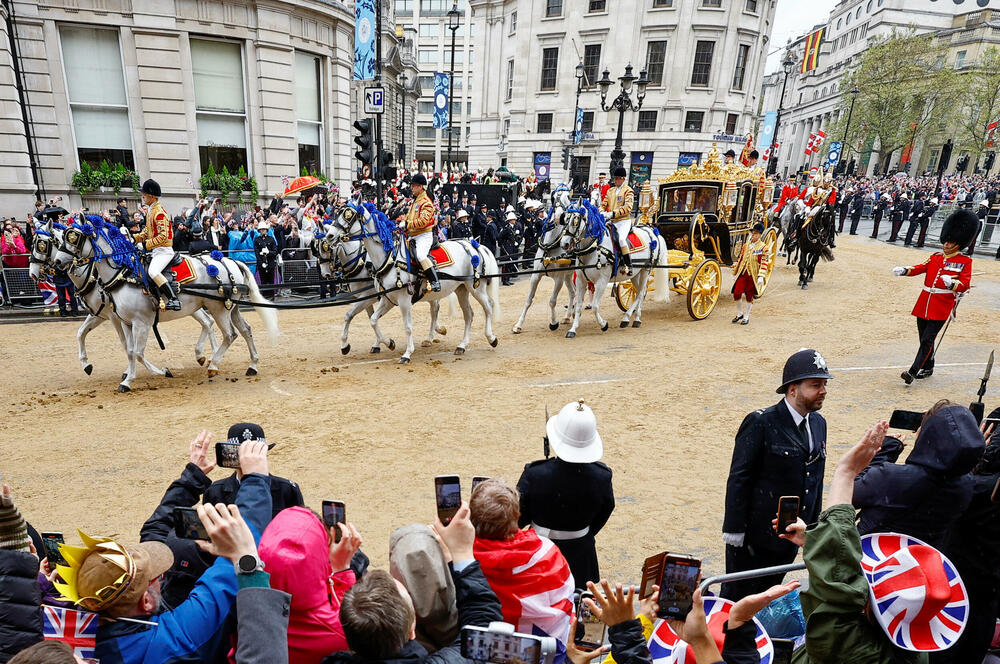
[(549, 249), (47, 241), (104, 246), (464, 276), (588, 240)]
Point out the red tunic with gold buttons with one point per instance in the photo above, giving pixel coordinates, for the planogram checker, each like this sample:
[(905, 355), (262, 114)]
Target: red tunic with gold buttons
[(937, 299)]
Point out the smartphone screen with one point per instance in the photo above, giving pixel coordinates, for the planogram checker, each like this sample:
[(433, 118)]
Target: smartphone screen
[(448, 492), (677, 585), (908, 420), (227, 455), (187, 525), (51, 542), (788, 512), (334, 513), (783, 650), (477, 480), (481, 645), (589, 628)]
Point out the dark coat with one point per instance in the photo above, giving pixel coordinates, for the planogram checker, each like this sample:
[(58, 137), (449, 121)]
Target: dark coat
[(901, 210), (20, 603), (200, 245), (923, 496), (509, 237), (262, 626), (477, 605), (559, 495), (770, 460), (917, 210), (265, 262), (284, 493), (629, 647)]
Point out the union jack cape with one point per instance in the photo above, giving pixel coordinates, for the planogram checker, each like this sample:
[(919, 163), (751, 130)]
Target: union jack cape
[(77, 629)]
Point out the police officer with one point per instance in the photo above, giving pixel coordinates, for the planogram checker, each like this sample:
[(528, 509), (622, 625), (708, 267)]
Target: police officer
[(881, 203), (900, 212), (569, 498), (779, 451), (460, 228), (509, 240)]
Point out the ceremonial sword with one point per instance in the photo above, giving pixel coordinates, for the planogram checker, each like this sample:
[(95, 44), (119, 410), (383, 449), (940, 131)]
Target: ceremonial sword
[(977, 407)]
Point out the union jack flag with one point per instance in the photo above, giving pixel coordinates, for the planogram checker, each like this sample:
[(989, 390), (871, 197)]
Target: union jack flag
[(77, 629), (667, 648), (48, 290), (917, 594)]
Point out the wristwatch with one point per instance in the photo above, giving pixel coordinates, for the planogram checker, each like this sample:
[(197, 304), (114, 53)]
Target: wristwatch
[(249, 564)]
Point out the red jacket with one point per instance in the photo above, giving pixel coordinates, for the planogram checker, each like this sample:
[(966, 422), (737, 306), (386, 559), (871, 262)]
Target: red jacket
[(936, 299), (788, 193)]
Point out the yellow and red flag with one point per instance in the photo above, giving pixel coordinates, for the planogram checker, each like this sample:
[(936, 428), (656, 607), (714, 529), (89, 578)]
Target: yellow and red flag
[(810, 59)]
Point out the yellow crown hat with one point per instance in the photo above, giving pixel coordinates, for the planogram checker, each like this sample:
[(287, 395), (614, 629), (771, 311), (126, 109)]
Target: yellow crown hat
[(97, 573)]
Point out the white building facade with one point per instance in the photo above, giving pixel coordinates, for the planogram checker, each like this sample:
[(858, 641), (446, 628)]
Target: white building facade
[(704, 60)]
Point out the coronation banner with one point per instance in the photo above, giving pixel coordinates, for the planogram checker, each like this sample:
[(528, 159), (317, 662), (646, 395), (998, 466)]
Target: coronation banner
[(364, 40), (441, 114)]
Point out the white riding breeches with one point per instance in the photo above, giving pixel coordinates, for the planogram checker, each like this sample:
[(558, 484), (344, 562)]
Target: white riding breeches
[(160, 257), (622, 227), (422, 246)]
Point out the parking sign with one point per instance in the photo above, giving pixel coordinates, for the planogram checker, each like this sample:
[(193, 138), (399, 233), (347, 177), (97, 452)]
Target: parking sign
[(374, 101)]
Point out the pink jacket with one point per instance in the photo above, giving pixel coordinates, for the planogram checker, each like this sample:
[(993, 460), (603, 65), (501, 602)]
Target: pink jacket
[(296, 553), (16, 248)]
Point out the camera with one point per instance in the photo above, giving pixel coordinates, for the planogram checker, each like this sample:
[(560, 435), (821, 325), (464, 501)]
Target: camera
[(500, 644)]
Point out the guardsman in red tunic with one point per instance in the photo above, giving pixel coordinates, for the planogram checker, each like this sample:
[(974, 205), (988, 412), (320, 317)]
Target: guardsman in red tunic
[(420, 228), (946, 273), (158, 239), (751, 272)]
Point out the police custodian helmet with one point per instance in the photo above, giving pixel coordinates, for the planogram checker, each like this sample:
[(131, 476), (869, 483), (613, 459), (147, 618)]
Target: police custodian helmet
[(802, 365)]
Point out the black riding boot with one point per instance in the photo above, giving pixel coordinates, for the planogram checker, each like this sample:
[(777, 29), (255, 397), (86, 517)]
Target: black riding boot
[(167, 293), (432, 277), (627, 260)]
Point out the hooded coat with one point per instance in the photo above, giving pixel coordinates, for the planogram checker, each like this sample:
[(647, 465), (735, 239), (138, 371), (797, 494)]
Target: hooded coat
[(296, 553), (923, 496), (415, 559)]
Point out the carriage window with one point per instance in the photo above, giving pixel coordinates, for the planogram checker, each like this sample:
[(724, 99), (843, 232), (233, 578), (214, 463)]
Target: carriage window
[(746, 202), (690, 199)]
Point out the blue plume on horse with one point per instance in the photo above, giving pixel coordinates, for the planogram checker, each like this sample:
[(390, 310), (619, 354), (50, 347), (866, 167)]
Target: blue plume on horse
[(475, 260), (95, 220), (595, 221), (319, 235), (212, 271), (383, 226), (216, 255), (87, 230), (56, 224), (475, 244)]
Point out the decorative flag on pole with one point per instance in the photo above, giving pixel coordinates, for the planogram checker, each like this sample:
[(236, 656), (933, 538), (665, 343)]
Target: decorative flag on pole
[(441, 114), (991, 132), (833, 156), (809, 143), (578, 128), (767, 131), (810, 59), (364, 40), (820, 137), (767, 151), (77, 629), (747, 149)]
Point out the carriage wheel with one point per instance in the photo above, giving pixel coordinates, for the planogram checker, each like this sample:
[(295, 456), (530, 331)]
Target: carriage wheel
[(704, 288), (771, 247), (625, 294)]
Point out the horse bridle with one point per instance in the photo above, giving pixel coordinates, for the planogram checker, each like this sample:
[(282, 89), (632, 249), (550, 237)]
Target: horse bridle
[(590, 247), (546, 227)]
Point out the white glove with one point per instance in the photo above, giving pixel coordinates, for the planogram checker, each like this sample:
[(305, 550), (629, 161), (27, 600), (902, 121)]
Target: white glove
[(280, 261), (140, 246), (607, 216), (948, 280), (899, 271), (733, 539), (265, 251), (760, 280)]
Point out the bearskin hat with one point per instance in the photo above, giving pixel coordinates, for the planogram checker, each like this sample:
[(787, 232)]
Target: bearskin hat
[(960, 227)]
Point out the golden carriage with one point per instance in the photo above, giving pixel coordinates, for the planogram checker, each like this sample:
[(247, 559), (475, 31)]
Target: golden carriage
[(705, 213)]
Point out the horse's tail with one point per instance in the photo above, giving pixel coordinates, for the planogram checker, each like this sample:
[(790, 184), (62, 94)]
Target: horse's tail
[(491, 268), (267, 314), (661, 290), (826, 254)]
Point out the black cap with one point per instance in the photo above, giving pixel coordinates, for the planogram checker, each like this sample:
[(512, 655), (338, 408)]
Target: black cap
[(802, 365), (754, 154), (620, 172), (759, 227), (244, 431), (419, 179), (960, 227), (730, 153), (151, 188)]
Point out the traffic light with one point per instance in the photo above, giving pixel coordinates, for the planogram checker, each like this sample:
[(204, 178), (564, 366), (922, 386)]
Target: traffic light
[(962, 164), (365, 139), (565, 158), (945, 156), (990, 159), (386, 170)]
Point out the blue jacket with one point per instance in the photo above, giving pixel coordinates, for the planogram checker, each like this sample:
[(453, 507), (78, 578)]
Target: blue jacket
[(192, 632), (241, 248)]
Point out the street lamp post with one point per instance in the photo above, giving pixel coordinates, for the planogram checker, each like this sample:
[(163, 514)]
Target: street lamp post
[(402, 121), (787, 64), (847, 129), (623, 102), (576, 114), (453, 20)]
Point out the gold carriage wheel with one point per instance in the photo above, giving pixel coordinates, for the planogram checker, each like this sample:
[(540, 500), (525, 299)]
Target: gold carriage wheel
[(704, 288), (625, 294), (771, 246)]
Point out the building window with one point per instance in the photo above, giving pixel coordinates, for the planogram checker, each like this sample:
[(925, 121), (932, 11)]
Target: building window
[(739, 74), (220, 104), (425, 107), (426, 84), (838, 22), (544, 125), (427, 56), (431, 6), (513, 22), (702, 70), (731, 120), (711, 4), (97, 96), (647, 121), (751, 6), (506, 126), (869, 9), (597, 6), (426, 133), (553, 8), (960, 59), (309, 110), (656, 56), (510, 79), (693, 120), (591, 64), (662, 3), (404, 6), (550, 63), (588, 122), (457, 82), (430, 30), (858, 13)]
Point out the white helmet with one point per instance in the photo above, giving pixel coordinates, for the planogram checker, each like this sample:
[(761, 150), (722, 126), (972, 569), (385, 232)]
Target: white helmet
[(573, 434)]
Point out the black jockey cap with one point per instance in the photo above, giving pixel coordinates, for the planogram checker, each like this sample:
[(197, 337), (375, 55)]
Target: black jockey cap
[(754, 154), (759, 227), (619, 172), (960, 227), (802, 365), (730, 153), (151, 188), (419, 179), (241, 432)]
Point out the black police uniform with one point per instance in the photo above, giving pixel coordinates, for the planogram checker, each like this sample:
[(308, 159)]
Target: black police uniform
[(284, 493), (568, 498)]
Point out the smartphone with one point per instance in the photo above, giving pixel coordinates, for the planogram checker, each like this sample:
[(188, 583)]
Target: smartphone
[(652, 570), (589, 628), (783, 650), (187, 525), (788, 512), (448, 492), (479, 644), (51, 542), (908, 420), (477, 480), (227, 455), (334, 513), (677, 585)]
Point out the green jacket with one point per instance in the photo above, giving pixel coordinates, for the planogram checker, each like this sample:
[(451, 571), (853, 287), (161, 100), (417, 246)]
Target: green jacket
[(837, 629)]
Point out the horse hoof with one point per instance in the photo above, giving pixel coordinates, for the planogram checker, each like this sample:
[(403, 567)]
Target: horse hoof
[(570, 334), (494, 341), (441, 330), (392, 345), (604, 328), (375, 349), (553, 326), (212, 373), (201, 360), (624, 323), (426, 343), (805, 286), (89, 369), (344, 350), (167, 374), (124, 388), (515, 330), (404, 360), (636, 323), (459, 351), (251, 371)]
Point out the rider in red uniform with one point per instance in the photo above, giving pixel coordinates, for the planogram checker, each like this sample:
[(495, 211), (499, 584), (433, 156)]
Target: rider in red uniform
[(946, 273)]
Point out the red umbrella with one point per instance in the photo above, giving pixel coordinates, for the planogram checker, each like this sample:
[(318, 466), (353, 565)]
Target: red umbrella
[(306, 184)]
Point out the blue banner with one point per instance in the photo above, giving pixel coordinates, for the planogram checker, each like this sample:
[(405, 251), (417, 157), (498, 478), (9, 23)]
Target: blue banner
[(578, 127), (364, 40), (441, 110), (833, 156), (767, 131), (688, 159), (542, 161)]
